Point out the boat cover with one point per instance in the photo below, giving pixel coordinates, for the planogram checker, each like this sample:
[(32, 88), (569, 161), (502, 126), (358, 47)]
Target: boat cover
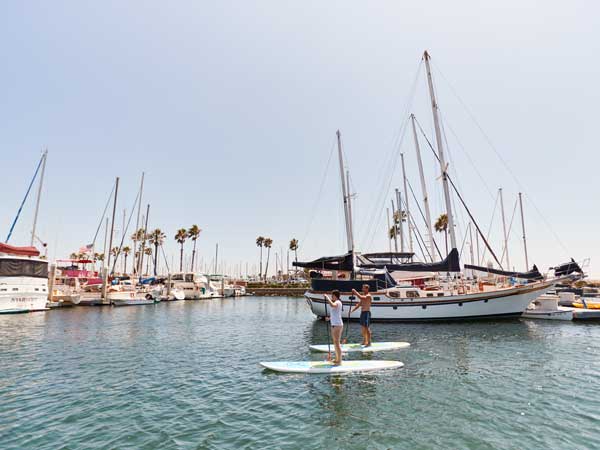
[(533, 274), (567, 269), (19, 251), (450, 264), (13, 267)]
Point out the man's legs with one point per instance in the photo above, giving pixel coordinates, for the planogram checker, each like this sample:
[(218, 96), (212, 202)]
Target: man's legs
[(337, 334)]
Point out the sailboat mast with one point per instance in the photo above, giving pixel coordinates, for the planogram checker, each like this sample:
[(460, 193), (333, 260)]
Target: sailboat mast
[(395, 227), (344, 192), (112, 224), (39, 195), (504, 228), (137, 227), (400, 222), (410, 239), (424, 190), (523, 227), (387, 211), (349, 209), (440, 148)]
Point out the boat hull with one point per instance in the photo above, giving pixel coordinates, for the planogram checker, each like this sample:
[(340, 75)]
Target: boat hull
[(485, 305), (22, 302)]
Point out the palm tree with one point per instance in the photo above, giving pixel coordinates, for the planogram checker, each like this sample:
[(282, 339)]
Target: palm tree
[(73, 256), (126, 250), (393, 231), (294, 247), (148, 253), (180, 237), (260, 242), (268, 242), (114, 252), (441, 224), (156, 238), (194, 233)]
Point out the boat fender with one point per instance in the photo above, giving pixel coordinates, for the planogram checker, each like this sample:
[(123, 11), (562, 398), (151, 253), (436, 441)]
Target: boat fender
[(148, 297)]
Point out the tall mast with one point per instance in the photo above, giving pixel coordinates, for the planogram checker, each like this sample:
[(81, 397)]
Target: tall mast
[(39, 195), (112, 224), (105, 237), (440, 148), (144, 240), (410, 239), (350, 209), (504, 229), (424, 190), (344, 192), (395, 227), (400, 222), (523, 227), (137, 227), (471, 247), (387, 210)]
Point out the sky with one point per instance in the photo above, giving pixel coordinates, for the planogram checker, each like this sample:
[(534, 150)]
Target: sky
[(231, 108)]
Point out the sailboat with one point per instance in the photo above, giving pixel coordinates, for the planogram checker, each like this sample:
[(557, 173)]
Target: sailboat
[(451, 298)]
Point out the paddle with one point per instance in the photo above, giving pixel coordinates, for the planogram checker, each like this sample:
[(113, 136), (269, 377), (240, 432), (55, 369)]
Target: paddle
[(328, 332), (345, 340)]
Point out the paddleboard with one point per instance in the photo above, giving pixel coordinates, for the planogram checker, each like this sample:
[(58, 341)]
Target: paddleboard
[(374, 347), (328, 367)]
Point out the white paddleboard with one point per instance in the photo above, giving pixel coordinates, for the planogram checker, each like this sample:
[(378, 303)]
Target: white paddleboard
[(374, 347), (328, 367)]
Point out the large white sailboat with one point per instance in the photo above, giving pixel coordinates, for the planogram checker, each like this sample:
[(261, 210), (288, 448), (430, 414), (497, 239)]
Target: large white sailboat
[(23, 280), (446, 297)]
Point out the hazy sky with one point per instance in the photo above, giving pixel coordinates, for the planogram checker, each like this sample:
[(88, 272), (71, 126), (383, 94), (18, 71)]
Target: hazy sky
[(231, 110)]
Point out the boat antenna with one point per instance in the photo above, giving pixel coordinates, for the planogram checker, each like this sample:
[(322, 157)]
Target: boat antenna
[(12, 227)]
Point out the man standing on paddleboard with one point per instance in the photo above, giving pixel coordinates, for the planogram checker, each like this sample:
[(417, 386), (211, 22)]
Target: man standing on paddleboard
[(365, 313), (337, 325)]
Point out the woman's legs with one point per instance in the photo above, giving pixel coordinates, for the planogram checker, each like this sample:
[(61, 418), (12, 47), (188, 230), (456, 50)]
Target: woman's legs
[(336, 333)]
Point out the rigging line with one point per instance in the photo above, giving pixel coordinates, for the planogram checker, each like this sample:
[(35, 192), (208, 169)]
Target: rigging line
[(490, 227), (316, 204), (165, 258), (502, 160), (103, 215), (462, 247), (424, 221), (462, 201), (418, 235), (505, 249), (124, 234), (394, 151), (393, 167), (12, 227)]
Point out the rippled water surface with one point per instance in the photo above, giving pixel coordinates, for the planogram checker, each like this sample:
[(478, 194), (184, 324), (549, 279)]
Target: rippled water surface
[(185, 375)]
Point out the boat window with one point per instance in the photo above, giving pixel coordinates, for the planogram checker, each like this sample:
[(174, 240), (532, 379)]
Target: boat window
[(412, 294), (440, 294), (394, 294), (23, 268), (189, 278), (177, 277), (429, 294)]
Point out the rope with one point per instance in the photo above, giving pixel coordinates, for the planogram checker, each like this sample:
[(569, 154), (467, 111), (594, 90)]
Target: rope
[(502, 160), (328, 332), (103, 214), (348, 325), (12, 227), (312, 215), (124, 234)]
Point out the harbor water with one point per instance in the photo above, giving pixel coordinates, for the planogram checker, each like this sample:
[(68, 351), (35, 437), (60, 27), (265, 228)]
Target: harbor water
[(186, 375)]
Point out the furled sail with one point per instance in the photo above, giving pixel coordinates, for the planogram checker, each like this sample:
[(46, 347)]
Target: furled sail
[(533, 274)]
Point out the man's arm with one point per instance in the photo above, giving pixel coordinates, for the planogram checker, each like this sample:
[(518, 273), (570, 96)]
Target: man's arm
[(355, 293), (357, 305), (329, 300)]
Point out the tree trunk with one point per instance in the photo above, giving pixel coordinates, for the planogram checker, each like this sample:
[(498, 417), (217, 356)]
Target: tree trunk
[(260, 269), (125, 264), (267, 264), (193, 255), (181, 259), (446, 239), (155, 258)]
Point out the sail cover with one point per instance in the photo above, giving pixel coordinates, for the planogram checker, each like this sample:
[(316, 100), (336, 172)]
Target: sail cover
[(343, 262), (450, 264), (567, 268), (18, 251), (533, 274)]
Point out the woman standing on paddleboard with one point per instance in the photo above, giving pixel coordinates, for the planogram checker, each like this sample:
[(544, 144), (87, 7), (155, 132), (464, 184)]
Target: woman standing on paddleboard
[(337, 325)]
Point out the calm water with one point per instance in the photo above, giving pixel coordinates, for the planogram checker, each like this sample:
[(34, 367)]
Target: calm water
[(185, 375)]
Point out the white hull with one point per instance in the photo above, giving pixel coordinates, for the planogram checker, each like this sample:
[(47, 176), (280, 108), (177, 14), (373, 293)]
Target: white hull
[(495, 304), (562, 313), (22, 301), (134, 302)]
